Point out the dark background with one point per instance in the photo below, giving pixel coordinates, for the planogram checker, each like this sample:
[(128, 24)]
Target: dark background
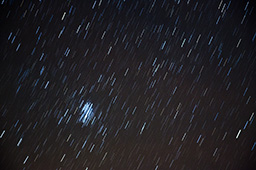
[(158, 104)]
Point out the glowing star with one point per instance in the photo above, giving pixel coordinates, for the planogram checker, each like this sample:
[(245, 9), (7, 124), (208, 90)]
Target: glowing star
[(86, 113)]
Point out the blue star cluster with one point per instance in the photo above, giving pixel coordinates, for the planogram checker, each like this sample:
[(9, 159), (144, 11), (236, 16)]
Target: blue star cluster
[(87, 113)]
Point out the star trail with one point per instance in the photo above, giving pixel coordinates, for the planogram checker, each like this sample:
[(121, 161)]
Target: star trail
[(127, 84)]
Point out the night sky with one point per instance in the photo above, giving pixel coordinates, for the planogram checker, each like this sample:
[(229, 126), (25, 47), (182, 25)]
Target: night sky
[(127, 84)]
